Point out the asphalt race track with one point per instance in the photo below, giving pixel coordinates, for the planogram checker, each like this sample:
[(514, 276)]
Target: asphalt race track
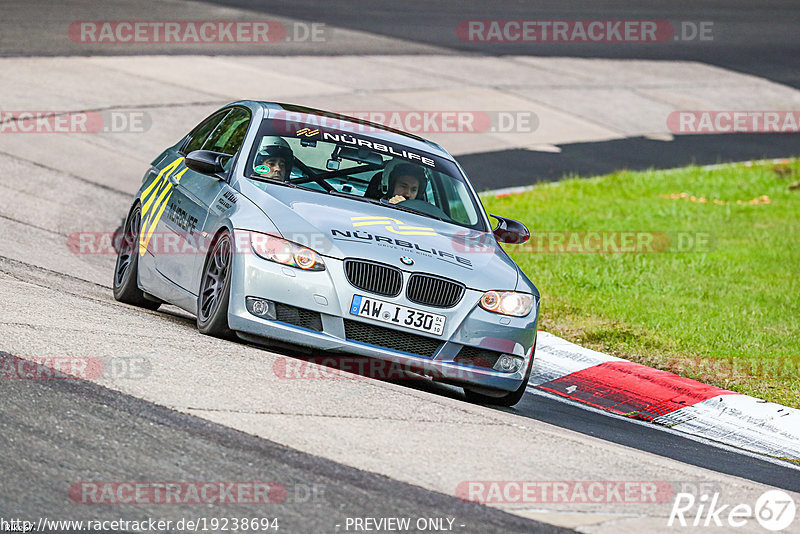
[(756, 38), (638, 153), (759, 39), (104, 433), (173, 406)]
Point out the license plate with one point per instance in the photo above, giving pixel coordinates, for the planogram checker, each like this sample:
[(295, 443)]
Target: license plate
[(386, 312)]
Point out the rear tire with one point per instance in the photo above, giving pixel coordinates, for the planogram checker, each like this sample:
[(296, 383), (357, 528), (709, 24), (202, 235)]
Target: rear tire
[(508, 399), (215, 289), (126, 272)]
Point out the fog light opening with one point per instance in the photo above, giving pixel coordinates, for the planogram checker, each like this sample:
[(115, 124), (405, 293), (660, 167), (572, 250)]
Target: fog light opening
[(507, 363), (261, 307)]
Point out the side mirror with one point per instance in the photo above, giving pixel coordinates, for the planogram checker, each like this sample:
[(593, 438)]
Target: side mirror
[(510, 231), (206, 161)]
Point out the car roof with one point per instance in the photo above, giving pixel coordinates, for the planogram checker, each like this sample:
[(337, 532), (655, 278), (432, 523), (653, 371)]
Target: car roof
[(377, 131)]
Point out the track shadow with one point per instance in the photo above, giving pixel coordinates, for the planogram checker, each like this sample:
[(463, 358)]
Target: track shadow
[(508, 168)]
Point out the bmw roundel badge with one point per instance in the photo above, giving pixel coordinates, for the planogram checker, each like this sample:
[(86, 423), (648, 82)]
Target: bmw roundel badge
[(406, 260)]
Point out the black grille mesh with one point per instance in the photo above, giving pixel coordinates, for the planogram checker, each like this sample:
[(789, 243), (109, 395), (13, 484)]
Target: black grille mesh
[(434, 291), (298, 316), (477, 357), (391, 339), (374, 277)]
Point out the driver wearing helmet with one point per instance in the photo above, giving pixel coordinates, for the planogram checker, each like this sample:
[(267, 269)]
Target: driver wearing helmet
[(406, 181), (274, 159)]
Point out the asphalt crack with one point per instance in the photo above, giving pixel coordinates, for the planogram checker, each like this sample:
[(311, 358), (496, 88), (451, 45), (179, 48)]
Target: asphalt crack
[(65, 173), (24, 223), (334, 416)]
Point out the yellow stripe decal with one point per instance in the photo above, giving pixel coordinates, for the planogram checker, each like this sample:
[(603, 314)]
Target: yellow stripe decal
[(158, 183), (154, 201)]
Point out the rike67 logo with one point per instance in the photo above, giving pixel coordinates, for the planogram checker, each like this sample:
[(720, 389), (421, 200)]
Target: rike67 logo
[(774, 510)]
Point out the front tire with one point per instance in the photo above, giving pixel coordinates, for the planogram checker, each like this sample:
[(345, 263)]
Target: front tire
[(215, 289), (126, 272)]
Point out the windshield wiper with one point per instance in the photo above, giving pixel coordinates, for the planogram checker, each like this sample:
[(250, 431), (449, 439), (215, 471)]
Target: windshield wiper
[(387, 204), (336, 193), (415, 212), (275, 182)]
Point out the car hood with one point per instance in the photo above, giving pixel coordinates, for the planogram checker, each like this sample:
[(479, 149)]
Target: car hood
[(346, 228)]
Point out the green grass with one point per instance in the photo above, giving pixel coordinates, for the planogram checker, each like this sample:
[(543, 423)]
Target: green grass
[(726, 313)]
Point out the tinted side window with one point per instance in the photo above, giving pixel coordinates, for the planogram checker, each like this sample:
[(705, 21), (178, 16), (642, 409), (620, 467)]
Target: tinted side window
[(201, 132), (229, 135)]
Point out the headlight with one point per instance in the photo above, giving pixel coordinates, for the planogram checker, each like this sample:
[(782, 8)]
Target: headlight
[(507, 303), (285, 252)]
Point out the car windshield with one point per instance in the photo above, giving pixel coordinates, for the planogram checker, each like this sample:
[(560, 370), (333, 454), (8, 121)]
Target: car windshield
[(364, 168)]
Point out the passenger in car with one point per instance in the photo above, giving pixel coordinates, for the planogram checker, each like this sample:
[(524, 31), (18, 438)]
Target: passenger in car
[(405, 183)]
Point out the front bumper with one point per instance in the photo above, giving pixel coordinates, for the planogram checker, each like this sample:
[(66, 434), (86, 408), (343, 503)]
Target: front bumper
[(325, 297)]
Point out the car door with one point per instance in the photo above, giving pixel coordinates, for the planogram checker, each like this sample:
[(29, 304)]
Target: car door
[(157, 237), (194, 193)]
